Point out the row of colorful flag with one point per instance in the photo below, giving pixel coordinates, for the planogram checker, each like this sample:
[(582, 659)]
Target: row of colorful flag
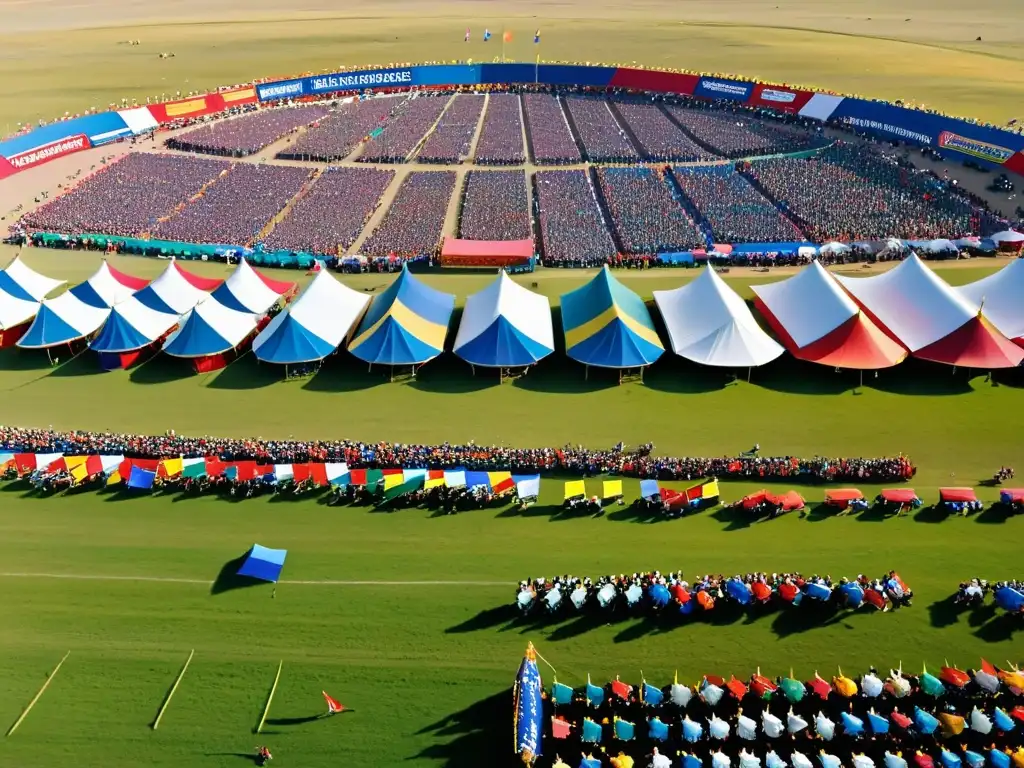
[(506, 36), (143, 473)]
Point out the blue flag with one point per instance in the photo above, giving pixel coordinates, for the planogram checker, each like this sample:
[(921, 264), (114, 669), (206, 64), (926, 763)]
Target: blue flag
[(536, 37), (487, 35)]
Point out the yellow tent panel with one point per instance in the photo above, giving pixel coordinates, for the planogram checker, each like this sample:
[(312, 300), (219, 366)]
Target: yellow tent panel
[(437, 482), (75, 461), (575, 488), (79, 473), (611, 489), (115, 478), (497, 477), (393, 480), (710, 490), (173, 467)]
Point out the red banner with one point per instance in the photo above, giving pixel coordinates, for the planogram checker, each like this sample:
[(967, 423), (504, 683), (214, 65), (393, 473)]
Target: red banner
[(778, 98), (662, 82), (47, 152), (6, 169), (186, 108)]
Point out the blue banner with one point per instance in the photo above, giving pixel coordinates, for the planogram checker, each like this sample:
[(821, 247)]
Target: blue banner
[(529, 708), (718, 88), (282, 89), (358, 81)]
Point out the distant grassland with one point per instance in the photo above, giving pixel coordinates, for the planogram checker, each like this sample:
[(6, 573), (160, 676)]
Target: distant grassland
[(866, 48)]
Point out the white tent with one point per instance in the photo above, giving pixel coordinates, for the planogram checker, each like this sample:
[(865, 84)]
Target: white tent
[(912, 301), (313, 325), (505, 325), (808, 305), (209, 328), (1009, 237), (246, 290), (172, 292), (1001, 296), (835, 247), (21, 291), (709, 323)]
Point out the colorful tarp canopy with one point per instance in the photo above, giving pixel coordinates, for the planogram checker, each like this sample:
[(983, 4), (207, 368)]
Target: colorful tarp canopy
[(313, 325), (817, 321), (709, 323), (608, 326), (957, 494), (209, 328), (999, 297), (246, 290), (263, 563), (146, 316), (21, 291), (505, 325), (899, 495), (405, 325), (931, 319), (81, 310)]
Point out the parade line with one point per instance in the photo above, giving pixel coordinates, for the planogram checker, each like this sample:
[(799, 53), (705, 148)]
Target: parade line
[(209, 582)]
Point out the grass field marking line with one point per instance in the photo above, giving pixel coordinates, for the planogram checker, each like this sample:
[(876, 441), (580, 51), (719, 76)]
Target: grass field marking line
[(270, 697), (208, 582), (174, 687), (36, 698)]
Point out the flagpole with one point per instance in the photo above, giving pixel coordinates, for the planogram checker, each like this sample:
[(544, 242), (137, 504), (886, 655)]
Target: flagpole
[(504, 34)]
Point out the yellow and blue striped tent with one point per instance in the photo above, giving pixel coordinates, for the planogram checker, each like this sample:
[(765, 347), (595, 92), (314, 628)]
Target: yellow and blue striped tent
[(405, 325), (607, 325)]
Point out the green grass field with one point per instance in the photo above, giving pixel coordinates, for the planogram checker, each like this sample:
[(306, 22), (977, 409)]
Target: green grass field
[(427, 667)]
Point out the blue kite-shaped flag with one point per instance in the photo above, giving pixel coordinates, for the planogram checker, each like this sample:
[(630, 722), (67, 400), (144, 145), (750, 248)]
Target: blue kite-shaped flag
[(263, 563)]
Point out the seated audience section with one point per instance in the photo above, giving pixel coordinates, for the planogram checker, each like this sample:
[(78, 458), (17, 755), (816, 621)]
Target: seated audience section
[(501, 136), (495, 206), (740, 135), (646, 218), (449, 142), (571, 229), (247, 134), (337, 135), (551, 141), (129, 197), (602, 137), (659, 138), (330, 216), (413, 224), (404, 131), (235, 210)]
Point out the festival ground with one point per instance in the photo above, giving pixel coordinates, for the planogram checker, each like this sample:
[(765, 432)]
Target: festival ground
[(426, 666)]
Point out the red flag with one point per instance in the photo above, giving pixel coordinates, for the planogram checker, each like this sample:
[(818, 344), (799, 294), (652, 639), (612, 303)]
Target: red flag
[(507, 37), (560, 729), (333, 706)]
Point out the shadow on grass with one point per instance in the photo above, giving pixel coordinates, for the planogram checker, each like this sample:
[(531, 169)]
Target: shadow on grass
[(1002, 627), (796, 377), (486, 619), (86, 364), (876, 513), (735, 518), (946, 612), (920, 377), (17, 359), (247, 756), (819, 512), (247, 373), (994, 513), (935, 513), (162, 369), (807, 618), (291, 722), (228, 578), (464, 737)]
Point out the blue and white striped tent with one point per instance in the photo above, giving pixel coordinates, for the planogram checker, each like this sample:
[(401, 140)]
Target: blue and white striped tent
[(505, 326), (209, 328), (21, 291)]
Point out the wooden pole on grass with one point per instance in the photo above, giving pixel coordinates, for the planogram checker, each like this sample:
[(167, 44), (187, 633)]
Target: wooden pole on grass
[(174, 687), (36, 698), (270, 697)]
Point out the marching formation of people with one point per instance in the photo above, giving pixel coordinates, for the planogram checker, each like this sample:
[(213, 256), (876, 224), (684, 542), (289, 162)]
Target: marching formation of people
[(638, 461), (604, 141), (501, 135), (656, 592), (495, 206), (448, 143), (248, 134), (337, 135), (413, 223), (1008, 594), (644, 214), (957, 718), (551, 141), (408, 124)]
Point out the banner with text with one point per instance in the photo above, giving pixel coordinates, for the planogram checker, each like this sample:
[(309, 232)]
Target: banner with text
[(718, 88), (778, 98)]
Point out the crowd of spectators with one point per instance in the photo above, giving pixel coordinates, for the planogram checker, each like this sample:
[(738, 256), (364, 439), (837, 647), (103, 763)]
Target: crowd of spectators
[(576, 460), (248, 134), (659, 138), (337, 135), (333, 212), (495, 206), (501, 136), (413, 223), (852, 193), (128, 197), (734, 210), (403, 132), (571, 227), (551, 141), (739, 135), (235, 209), (449, 142), (647, 219), (602, 137)]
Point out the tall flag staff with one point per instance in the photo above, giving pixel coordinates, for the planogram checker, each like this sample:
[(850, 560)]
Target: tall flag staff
[(536, 66), (506, 37)]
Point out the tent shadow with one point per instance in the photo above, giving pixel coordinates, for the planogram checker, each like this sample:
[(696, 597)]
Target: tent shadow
[(463, 737), (736, 518), (875, 513), (84, 364), (17, 359), (788, 375), (676, 375), (935, 513), (636, 513), (1000, 629), (920, 377), (450, 375), (489, 618), (994, 513), (228, 579), (343, 372), (945, 612), (820, 512), (162, 369), (246, 372)]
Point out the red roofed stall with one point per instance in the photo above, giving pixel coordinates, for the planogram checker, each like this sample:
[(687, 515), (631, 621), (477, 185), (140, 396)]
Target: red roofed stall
[(485, 253)]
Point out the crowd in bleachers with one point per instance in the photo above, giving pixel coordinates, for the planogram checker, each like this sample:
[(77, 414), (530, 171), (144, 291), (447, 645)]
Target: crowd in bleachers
[(248, 134), (237, 206), (450, 140), (501, 136), (646, 218), (412, 225), (851, 193), (403, 132), (572, 230), (495, 206), (126, 198), (337, 135), (333, 213), (739, 135), (551, 141), (736, 212), (660, 138), (577, 460), (602, 137)]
